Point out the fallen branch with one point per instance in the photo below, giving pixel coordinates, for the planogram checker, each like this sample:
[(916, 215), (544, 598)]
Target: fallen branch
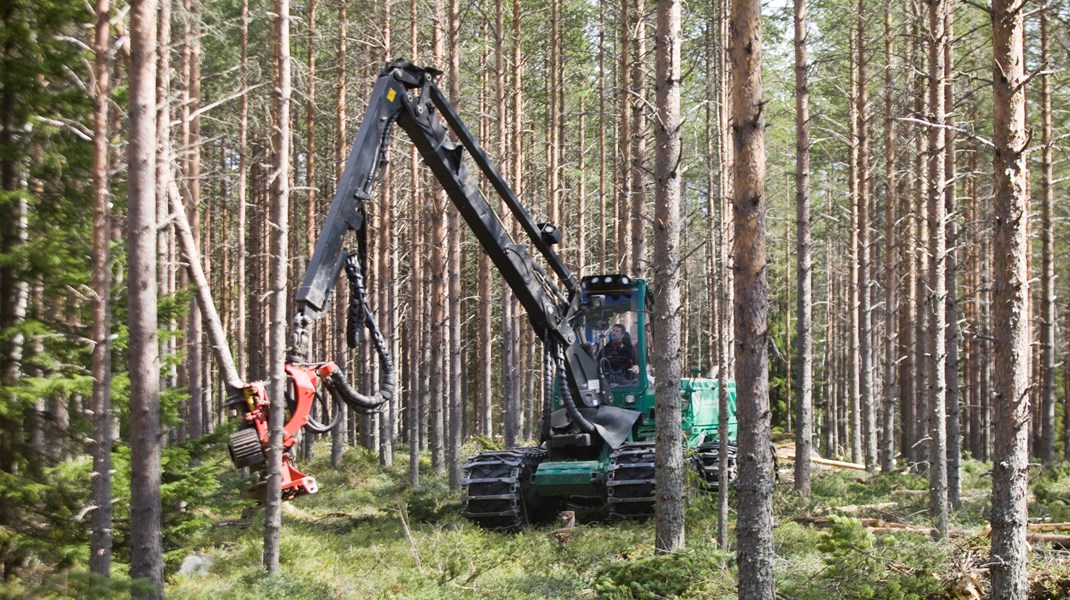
[(853, 509), (910, 493), (1059, 541), (880, 526), (836, 464), (403, 515), (1048, 526), (825, 462)]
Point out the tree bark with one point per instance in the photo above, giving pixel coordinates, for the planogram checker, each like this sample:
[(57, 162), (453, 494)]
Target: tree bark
[(637, 188), (167, 273), (937, 270), (854, 382), (195, 328), (418, 300), (145, 534), (1011, 292), (669, 471), (1047, 224), (553, 82), (339, 433), (241, 318), (867, 397), (100, 540), (603, 217), (951, 363), (754, 529), (456, 387), (726, 366), (624, 135), (278, 242), (891, 251), (804, 354), (439, 327)]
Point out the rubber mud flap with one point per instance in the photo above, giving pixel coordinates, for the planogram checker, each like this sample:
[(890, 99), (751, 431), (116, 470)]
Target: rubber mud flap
[(614, 424)]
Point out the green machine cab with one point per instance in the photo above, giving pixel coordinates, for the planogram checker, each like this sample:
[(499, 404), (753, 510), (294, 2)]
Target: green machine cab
[(506, 489)]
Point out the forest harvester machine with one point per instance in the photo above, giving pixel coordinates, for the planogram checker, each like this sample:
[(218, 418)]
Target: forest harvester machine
[(597, 428)]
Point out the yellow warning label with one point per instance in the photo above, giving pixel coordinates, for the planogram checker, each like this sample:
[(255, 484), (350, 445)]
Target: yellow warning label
[(391, 94)]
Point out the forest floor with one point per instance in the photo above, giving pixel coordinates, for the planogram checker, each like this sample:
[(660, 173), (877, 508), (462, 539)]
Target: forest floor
[(857, 536)]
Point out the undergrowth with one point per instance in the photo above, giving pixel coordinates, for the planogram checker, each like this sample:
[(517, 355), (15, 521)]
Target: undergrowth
[(349, 541)]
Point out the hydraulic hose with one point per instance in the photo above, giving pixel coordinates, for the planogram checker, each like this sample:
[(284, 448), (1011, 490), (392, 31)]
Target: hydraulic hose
[(340, 390), (547, 389), (361, 314), (315, 426)]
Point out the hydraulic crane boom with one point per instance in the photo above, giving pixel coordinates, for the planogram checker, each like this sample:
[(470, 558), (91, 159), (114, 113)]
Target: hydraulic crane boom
[(408, 96)]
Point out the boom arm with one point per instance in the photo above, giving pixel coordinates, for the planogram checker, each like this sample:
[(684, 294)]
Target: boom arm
[(407, 94)]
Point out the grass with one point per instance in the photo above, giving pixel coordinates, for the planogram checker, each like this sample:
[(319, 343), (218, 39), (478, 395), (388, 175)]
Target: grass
[(347, 541)]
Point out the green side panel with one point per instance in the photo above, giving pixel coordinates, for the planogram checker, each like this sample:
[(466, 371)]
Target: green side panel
[(700, 409), (570, 478)]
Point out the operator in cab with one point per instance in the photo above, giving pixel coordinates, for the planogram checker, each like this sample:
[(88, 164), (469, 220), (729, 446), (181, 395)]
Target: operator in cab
[(620, 354)]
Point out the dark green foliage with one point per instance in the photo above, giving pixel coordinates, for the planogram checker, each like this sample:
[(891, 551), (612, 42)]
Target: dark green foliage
[(1052, 490), (430, 502), (658, 575), (860, 565), (287, 587), (78, 584)]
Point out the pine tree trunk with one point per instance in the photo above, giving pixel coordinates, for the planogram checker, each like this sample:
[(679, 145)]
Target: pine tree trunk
[(919, 439), (754, 529), (974, 326), (637, 188), (388, 279), (440, 357), (1047, 277), (510, 323), (100, 541), (167, 276), (854, 375), (194, 331), (456, 376), (726, 369), (146, 549), (867, 399), (603, 217), (278, 243), (1010, 313), (937, 270), (553, 70), (804, 262), (418, 339), (339, 433), (951, 365), (713, 332), (624, 135), (669, 471), (1066, 397), (242, 282), (307, 438), (891, 252)]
